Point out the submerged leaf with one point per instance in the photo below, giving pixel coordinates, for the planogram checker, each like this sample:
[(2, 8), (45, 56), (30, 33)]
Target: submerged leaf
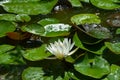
[(97, 31), (106, 4), (30, 7), (96, 68), (79, 44), (85, 19), (5, 27)]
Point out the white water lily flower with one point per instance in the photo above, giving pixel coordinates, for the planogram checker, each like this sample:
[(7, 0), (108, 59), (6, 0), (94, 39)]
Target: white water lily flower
[(61, 49)]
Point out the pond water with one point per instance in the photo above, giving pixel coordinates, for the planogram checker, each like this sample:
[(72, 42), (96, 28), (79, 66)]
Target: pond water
[(63, 12)]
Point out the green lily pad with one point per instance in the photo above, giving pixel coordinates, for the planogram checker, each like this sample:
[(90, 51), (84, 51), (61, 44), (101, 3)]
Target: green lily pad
[(79, 44), (106, 4), (6, 59), (53, 30), (114, 75), (34, 29), (36, 53), (118, 31), (8, 17), (33, 73), (5, 27), (4, 48), (30, 7), (114, 47), (75, 3), (96, 68), (85, 19), (47, 21), (87, 1), (23, 18), (97, 31), (70, 75)]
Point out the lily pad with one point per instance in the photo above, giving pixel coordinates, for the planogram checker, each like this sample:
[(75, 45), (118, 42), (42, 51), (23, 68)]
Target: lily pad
[(30, 7), (33, 73), (97, 31), (36, 53), (96, 68), (106, 4), (114, 75), (8, 17), (6, 59), (53, 30), (79, 44), (75, 3), (114, 47), (47, 21), (85, 19), (23, 18), (118, 31), (5, 27), (34, 29), (4, 48)]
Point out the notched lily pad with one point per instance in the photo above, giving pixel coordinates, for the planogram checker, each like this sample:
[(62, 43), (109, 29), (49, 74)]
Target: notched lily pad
[(114, 47), (36, 53), (85, 19), (106, 4), (30, 7), (79, 44), (96, 68), (53, 30), (97, 31), (33, 73), (5, 27)]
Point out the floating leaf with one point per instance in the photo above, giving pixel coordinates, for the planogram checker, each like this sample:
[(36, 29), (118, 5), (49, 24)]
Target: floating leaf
[(79, 44), (115, 73), (47, 21), (23, 18), (85, 19), (97, 31), (34, 29), (106, 4), (75, 3), (36, 53), (85, 1), (96, 68), (5, 27), (114, 47), (118, 31), (4, 48), (33, 73), (8, 17), (6, 59), (53, 30), (30, 7)]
